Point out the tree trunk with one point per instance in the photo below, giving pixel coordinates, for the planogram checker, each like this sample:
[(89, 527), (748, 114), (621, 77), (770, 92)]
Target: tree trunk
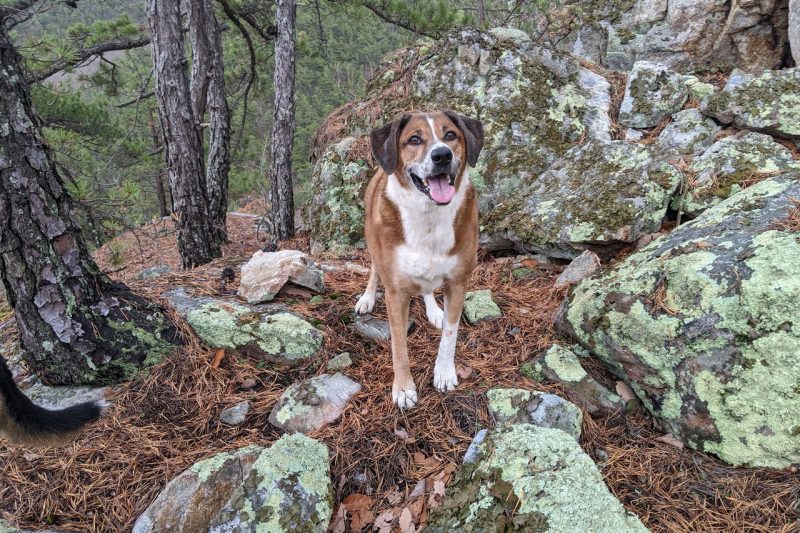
[(161, 193), (208, 92), (198, 229), (280, 166), (75, 325)]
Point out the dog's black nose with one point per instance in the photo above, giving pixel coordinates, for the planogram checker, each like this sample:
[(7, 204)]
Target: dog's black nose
[(442, 156)]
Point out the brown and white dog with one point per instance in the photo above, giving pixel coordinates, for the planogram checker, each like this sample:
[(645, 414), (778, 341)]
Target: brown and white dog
[(422, 232)]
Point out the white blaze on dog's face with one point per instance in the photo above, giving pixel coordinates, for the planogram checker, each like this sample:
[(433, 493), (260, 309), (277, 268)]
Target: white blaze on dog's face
[(428, 152)]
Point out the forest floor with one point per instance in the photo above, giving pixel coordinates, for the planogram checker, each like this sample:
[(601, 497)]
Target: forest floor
[(382, 460)]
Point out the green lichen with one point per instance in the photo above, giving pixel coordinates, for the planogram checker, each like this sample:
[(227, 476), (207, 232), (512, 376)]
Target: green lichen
[(564, 364), (208, 467), (479, 306), (506, 403)]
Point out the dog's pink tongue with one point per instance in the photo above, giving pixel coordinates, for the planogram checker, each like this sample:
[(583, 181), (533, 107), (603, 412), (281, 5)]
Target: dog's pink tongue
[(440, 189)]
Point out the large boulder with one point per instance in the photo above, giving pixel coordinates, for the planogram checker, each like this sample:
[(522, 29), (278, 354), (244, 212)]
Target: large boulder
[(598, 195), (534, 103), (729, 165), (704, 325), (285, 487), (769, 102), (269, 332), (528, 478)]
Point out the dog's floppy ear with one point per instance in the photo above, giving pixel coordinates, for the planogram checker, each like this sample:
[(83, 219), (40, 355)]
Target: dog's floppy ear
[(384, 143), (473, 134)]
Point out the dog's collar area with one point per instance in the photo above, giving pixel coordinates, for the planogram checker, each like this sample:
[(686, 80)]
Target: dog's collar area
[(422, 184)]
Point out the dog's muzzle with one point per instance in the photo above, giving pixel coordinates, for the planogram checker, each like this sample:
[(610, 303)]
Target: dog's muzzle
[(439, 182)]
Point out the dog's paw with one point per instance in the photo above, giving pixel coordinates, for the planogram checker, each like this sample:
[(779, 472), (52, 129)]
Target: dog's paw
[(366, 303), (435, 316), (444, 378), (404, 398)]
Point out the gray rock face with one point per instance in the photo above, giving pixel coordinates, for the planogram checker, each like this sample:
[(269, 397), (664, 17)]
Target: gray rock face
[(480, 307), (794, 29), (729, 165), (285, 487), (313, 403), (514, 406), (233, 416), (541, 475), (703, 324), (267, 331), (653, 92), (582, 267), (598, 194), (267, 272), (768, 103), (688, 133), (154, 272), (6, 527), (374, 328)]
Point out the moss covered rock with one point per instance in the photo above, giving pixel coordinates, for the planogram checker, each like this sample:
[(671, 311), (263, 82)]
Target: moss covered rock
[(729, 165), (308, 405), (704, 325), (769, 103), (269, 332), (514, 406), (283, 488), (479, 307), (653, 93), (532, 479), (689, 133), (598, 195)]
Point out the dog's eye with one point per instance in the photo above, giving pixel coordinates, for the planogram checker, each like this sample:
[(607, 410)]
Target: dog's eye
[(449, 136), (414, 140)]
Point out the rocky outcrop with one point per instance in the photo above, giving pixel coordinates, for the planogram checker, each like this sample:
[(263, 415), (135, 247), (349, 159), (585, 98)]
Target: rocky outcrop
[(308, 405), (285, 487), (688, 133), (528, 478), (794, 29), (267, 272), (269, 332), (653, 93), (704, 325)]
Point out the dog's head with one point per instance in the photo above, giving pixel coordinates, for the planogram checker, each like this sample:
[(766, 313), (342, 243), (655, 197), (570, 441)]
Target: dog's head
[(428, 151)]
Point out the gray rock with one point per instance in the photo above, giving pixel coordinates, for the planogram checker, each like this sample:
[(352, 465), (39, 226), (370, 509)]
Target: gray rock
[(267, 272), (374, 328), (598, 91), (515, 406), (728, 165), (63, 397), (7, 527), (561, 365), (767, 103), (794, 29), (541, 476), (600, 194), (340, 362), (698, 321), (285, 487), (233, 416), (269, 332), (313, 403), (582, 267), (688, 133), (480, 307), (154, 272), (653, 92)]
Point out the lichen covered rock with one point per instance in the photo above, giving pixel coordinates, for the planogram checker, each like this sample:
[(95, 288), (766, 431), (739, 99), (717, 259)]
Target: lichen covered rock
[(313, 403), (769, 103), (729, 165), (599, 194), (267, 272), (653, 93), (688, 133), (285, 487), (579, 269), (267, 331), (479, 307), (533, 479), (704, 325), (515, 406)]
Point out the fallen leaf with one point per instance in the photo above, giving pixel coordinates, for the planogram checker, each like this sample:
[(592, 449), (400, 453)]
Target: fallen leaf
[(218, 358), (416, 507), (530, 263), (670, 439), (394, 497), (624, 391), (356, 502), (463, 371), (295, 292), (406, 524), (361, 519), (383, 523), (339, 523), (419, 490), (438, 488)]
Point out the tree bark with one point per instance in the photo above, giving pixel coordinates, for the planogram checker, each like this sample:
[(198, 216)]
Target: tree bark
[(161, 193), (208, 93), (283, 122), (198, 229), (75, 325)]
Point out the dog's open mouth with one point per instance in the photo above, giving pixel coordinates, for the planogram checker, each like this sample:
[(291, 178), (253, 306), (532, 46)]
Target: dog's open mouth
[(439, 187)]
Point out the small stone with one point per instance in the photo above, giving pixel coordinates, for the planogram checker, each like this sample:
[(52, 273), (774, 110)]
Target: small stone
[(266, 272), (374, 328), (154, 272), (479, 307), (248, 383), (313, 403), (316, 299), (516, 406), (582, 267), (233, 416), (340, 362)]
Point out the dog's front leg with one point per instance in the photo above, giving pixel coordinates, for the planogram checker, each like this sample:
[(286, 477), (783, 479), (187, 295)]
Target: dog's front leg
[(404, 391), (444, 371)]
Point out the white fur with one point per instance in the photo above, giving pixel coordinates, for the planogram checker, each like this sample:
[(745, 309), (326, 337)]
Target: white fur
[(433, 311), (366, 303), (404, 398), (444, 371)]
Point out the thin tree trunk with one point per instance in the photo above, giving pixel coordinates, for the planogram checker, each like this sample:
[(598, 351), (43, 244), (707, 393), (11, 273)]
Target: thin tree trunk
[(208, 93), (280, 166), (198, 241), (75, 325), (161, 193)]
